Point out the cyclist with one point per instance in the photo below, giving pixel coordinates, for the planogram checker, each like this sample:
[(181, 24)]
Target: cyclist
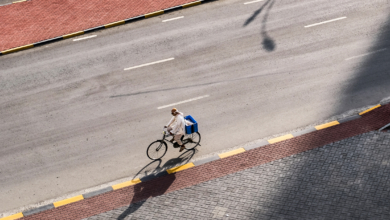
[(176, 127)]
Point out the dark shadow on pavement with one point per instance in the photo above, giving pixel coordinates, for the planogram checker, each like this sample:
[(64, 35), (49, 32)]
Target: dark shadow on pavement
[(143, 191), (147, 188), (268, 43), (184, 158), (151, 169), (154, 168), (343, 180), (352, 182), (256, 13), (371, 82)]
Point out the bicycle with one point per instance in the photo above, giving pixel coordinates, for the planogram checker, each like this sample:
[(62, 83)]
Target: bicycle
[(191, 139)]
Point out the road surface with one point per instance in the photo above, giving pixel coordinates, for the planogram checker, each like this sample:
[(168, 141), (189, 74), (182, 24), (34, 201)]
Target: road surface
[(80, 112)]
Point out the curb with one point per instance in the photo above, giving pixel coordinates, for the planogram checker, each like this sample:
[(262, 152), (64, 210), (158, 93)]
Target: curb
[(113, 24), (184, 167)]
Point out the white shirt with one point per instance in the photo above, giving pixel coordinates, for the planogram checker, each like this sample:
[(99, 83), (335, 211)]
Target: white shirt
[(178, 124)]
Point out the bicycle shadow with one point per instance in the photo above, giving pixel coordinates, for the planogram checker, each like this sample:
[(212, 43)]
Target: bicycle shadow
[(148, 188)]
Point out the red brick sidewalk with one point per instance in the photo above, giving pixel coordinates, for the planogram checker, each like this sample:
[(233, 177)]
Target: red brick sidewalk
[(36, 20), (125, 196)]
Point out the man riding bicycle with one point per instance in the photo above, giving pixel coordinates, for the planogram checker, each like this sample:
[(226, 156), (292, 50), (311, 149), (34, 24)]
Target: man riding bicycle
[(176, 127)]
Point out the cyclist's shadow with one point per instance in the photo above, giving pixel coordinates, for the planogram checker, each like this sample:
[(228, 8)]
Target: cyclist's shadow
[(149, 187)]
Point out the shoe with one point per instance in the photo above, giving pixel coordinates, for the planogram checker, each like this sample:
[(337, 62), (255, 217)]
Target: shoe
[(182, 148)]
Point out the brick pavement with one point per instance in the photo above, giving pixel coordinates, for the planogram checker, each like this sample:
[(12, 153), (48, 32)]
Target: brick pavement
[(37, 20), (348, 179), (259, 156)]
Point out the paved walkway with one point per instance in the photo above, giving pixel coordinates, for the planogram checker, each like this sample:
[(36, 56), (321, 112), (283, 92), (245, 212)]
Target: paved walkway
[(37, 20), (348, 179), (340, 172)]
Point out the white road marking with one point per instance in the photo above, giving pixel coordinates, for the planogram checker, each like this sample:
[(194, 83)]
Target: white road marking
[(253, 2), (366, 54), (83, 38), (173, 19), (185, 101), (324, 22), (147, 64)]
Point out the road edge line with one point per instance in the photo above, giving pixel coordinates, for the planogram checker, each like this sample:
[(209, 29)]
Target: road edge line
[(113, 24), (370, 109), (179, 168)]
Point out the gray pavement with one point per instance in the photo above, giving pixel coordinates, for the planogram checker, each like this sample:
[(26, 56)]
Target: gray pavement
[(348, 179), (72, 118), (6, 2)]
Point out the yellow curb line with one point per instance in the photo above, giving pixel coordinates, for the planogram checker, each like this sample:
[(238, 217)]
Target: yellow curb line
[(191, 4), (180, 168), (18, 48), (12, 217), (113, 24), (124, 184), (72, 34), (169, 171), (68, 201), (327, 125), (281, 138), (231, 153), (361, 113), (154, 14)]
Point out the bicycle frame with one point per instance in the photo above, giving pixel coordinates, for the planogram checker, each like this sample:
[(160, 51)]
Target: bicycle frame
[(167, 134), (154, 148)]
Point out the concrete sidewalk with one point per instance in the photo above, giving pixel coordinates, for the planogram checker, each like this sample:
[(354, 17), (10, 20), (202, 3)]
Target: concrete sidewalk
[(33, 21), (337, 172)]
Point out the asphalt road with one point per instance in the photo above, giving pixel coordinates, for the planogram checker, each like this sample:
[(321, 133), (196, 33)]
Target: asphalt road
[(6, 2), (73, 118)]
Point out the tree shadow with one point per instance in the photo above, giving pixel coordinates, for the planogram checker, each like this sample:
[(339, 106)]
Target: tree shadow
[(350, 187), (268, 43), (148, 187), (372, 80)]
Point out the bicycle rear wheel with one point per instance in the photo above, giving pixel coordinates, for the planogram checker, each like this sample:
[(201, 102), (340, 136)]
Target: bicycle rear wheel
[(191, 140), (156, 150)]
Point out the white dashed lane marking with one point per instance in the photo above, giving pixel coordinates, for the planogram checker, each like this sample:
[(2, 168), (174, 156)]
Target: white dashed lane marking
[(148, 64), (377, 51), (253, 2), (185, 101), (83, 38), (171, 19), (324, 22)]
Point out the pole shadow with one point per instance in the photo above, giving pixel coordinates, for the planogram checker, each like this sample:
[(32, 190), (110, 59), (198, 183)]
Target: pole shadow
[(147, 188), (268, 43)]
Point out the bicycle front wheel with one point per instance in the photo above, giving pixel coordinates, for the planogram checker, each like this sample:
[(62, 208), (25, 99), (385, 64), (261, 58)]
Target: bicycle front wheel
[(192, 140), (156, 150)]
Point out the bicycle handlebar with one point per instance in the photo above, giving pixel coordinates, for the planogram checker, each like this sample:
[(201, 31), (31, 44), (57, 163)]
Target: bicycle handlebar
[(166, 132)]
